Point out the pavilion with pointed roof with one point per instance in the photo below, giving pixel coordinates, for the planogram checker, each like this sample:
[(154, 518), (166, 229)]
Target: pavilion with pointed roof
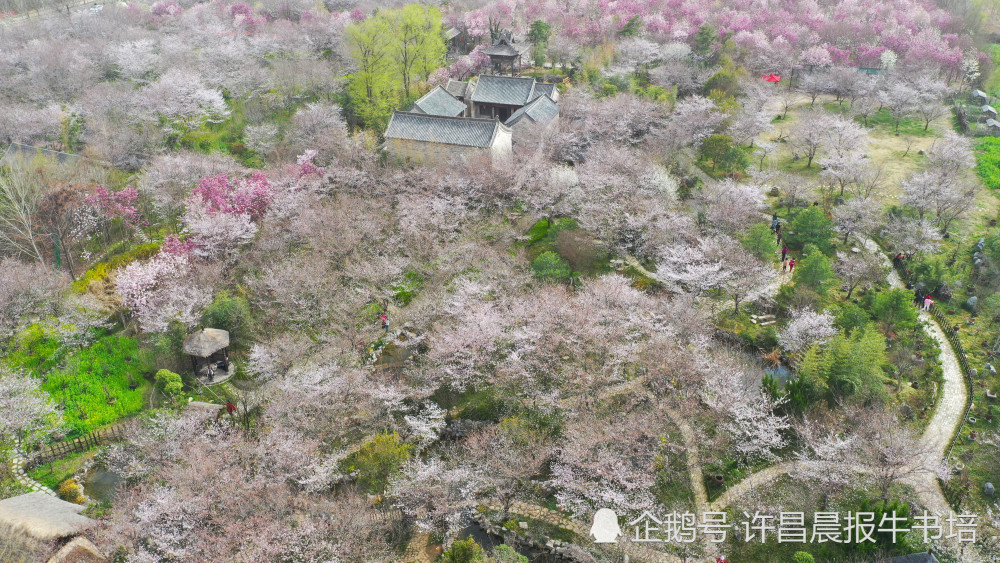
[(505, 53)]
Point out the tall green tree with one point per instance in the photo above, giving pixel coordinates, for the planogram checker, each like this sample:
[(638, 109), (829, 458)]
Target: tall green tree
[(371, 86), (811, 226), (760, 241), (845, 367), (416, 44), (895, 308), (539, 34), (392, 51), (814, 271)]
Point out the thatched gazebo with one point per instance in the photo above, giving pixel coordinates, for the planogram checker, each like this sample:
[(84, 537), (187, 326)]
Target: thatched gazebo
[(209, 351)]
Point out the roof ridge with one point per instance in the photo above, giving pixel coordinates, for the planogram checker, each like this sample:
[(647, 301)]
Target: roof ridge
[(428, 115)]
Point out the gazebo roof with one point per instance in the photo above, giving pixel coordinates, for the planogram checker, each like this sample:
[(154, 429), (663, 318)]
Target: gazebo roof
[(206, 342), (44, 517)]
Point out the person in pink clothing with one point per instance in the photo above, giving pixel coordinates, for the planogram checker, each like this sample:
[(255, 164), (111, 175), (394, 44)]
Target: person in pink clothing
[(927, 303)]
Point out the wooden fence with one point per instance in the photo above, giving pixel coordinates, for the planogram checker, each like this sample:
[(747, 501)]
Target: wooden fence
[(963, 363), (82, 443)]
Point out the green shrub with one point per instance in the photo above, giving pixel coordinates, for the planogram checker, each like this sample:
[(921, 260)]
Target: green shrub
[(71, 491), (894, 307), (504, 553), (802, 557), (464, 551), (169, 382), (407, 289), (378, 460), (811, 226), (550, 266), (760, 241), (228, 313), (814, 271)]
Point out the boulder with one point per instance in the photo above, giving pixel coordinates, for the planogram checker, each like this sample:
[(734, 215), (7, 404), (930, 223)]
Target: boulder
[(988, 489), (972, 302)]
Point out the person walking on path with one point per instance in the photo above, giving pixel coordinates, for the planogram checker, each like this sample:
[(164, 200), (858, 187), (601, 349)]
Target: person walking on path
[(918, 297), (385, 322), (791, 265), (928, 302), (784, 265), (784, 253), (774, 222)]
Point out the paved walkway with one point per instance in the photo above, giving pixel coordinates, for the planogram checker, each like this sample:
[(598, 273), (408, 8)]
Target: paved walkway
[(935, 439), (17, 468)]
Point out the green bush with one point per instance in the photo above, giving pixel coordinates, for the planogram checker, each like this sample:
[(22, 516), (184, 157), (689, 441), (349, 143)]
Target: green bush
[(550, 266), (760, 241), (169, 382), (404, 291), (814, 271), (504, 553), (228, 313), (377, 461), (811, 226), (464, 551), (802, 557), (894, 307)]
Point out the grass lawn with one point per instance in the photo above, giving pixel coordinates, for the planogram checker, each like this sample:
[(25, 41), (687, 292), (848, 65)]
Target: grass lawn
[(51, 474), (898, 154)]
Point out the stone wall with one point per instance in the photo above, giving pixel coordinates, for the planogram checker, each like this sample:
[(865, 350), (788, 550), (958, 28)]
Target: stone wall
[(420, 151)]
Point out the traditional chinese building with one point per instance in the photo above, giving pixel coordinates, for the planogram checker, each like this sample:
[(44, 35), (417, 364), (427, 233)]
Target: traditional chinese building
[(540, 111), (505, 54), (433, 138), (500, 96), (439, 102)]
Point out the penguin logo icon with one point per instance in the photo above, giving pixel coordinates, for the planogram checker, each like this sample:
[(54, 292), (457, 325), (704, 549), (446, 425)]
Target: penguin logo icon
[(605, 528)]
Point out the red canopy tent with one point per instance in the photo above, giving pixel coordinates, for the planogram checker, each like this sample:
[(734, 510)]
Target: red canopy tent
[(771, 78)]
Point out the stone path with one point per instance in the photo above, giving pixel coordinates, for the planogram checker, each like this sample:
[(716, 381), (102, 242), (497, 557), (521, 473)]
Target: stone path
[(17, 468), (935, 439)]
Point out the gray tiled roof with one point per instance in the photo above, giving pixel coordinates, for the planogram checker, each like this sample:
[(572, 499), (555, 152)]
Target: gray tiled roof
[(550, 90), (450, 33), (988, 109), (501, 49), (439, 102), (541, 110), (505, 90), (457, 88), (464, 131)]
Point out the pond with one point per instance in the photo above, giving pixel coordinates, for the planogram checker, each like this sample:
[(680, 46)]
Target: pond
[(781, 374), (101, 484)]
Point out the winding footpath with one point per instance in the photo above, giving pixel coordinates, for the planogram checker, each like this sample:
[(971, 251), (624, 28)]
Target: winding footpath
[(934, 441), (17, 462)]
